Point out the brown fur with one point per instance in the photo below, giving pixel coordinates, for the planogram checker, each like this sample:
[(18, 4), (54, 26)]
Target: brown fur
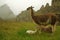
[(47, 29), (43, 18)]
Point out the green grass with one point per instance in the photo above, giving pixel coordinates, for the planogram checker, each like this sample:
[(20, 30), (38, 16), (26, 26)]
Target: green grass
[(17, 31)]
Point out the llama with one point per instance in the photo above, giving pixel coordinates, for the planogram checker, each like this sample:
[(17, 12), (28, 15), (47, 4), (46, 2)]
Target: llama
[(43, 18)]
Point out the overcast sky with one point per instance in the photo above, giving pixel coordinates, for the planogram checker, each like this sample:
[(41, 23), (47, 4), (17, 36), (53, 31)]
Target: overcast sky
[(19, 5)]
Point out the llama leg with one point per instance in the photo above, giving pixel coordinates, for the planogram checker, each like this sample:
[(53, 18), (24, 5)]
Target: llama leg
[(39, 29), (54, 27), (43, 28)]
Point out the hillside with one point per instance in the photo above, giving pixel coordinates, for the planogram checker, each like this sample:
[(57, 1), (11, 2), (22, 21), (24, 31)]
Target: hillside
[(55, 8), (44, 10), (24, 16), (6, 13)]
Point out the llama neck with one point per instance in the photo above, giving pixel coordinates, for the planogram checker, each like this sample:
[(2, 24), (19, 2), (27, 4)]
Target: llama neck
[(32, 13)]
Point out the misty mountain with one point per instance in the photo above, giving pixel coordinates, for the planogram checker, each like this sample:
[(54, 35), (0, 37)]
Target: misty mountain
[(1, 20), (6, 13), (54, 8), (24, 16), (45, 10)]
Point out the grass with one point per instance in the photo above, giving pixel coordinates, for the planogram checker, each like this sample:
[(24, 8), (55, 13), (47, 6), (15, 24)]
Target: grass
[(17, 31)]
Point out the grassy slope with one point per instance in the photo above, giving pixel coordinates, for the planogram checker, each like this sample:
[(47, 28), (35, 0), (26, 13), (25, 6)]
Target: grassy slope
[(16, 31)]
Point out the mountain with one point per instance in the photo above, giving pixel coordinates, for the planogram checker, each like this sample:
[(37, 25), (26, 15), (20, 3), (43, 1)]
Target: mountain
[(1, 20), (56, 3), (24, 16), (6, 13), (44, 10), (54, 8)]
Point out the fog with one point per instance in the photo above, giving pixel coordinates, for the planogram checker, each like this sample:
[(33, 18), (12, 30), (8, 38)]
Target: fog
[(19, 5)]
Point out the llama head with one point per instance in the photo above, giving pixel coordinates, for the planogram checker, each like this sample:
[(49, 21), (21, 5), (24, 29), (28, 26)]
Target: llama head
[(30, 8)]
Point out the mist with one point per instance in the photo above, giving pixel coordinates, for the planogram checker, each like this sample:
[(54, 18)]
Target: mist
[(19, 5)]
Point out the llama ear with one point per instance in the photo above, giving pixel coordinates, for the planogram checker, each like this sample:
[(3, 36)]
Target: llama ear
[(29, 7), (32, 7)]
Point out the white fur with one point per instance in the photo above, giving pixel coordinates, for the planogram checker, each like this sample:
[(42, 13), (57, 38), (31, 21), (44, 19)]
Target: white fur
[(31, 31)]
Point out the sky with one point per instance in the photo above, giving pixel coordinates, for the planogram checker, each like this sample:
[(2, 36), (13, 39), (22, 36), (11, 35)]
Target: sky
[(19, 5)]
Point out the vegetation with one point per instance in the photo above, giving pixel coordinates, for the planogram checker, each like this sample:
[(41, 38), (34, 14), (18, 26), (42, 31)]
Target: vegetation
[(17, 31)]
